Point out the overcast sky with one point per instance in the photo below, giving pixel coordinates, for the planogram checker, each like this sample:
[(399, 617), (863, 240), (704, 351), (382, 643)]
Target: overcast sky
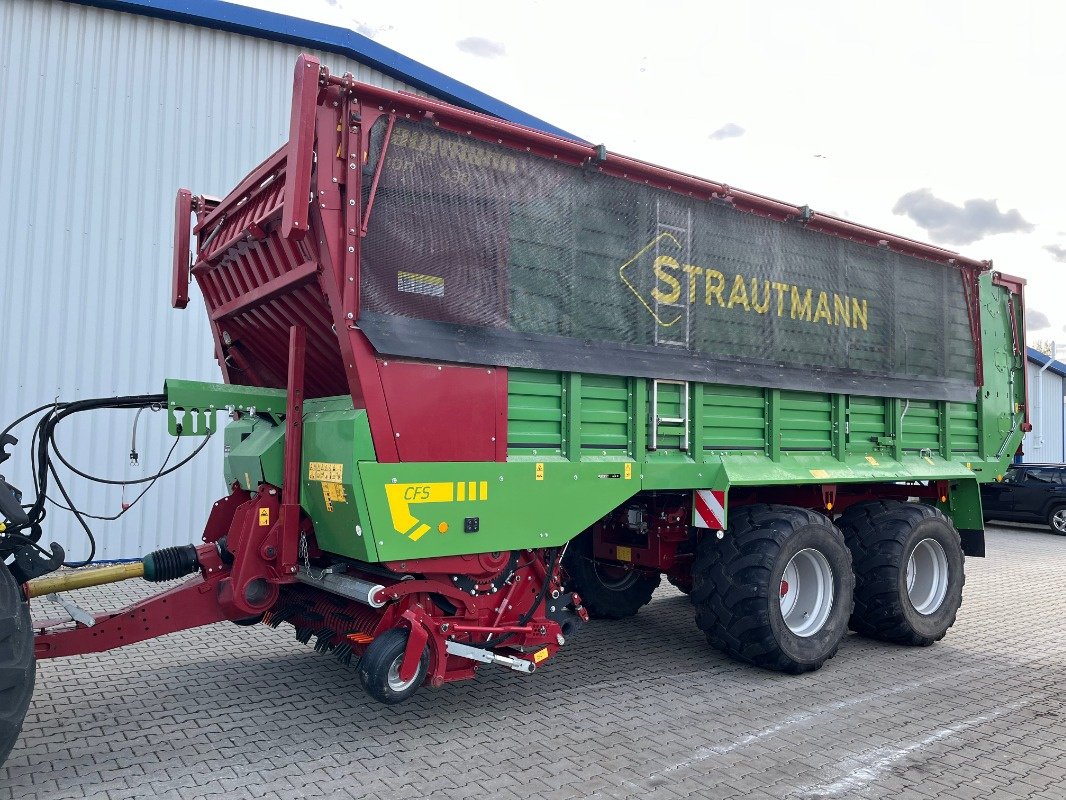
[(941, 121)]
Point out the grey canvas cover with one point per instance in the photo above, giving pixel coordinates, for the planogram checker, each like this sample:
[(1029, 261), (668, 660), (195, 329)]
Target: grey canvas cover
[(479, 253)]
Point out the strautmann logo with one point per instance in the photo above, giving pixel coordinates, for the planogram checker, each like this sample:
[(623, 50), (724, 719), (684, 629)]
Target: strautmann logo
[(663, 284)]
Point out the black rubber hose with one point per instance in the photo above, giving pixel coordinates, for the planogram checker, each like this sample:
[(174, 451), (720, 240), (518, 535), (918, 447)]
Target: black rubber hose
[(170, 563)]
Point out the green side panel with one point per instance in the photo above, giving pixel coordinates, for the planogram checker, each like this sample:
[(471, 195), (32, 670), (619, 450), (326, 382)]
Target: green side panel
[(535, 413), (336, 441), (964, 430), (255, 452), (427, 510), (734, 418), (921, 429), (806, 421), (604, 415), (867, 422)]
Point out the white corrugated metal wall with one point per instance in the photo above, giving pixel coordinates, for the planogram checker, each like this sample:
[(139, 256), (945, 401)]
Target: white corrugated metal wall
[(103, 116), (1046, 442)]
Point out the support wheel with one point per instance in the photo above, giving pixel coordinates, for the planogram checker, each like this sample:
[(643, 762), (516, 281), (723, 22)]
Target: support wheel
[(379, 668), (777, 590), (608, 591), (908, 571), (1056, 520), (17, 664)]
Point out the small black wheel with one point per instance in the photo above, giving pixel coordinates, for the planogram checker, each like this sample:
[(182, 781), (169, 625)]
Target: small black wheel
[(379, 668), (909, 571), (777, 590), (1056, 520), (18, 667), (248, 622), (608, 591)]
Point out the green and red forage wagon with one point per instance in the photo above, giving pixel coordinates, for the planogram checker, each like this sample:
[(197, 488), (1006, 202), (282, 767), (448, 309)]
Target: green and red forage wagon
[(482, 383)]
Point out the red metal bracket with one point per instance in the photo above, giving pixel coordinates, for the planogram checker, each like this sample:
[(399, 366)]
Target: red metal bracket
[(377, 175), (300, 149), (179, 288), (190, 605), (294, 429), (829, 496)]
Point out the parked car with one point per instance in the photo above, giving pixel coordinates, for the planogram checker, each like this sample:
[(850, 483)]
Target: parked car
[(1028, 493)]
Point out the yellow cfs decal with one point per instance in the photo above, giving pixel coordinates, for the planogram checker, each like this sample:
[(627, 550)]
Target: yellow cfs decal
[(401, 496)]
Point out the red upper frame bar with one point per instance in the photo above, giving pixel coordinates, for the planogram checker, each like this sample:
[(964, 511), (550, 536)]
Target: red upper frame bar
[(498, 131)]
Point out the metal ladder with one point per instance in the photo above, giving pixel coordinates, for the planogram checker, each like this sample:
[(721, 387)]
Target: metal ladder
[(656, 420), (671, 218)]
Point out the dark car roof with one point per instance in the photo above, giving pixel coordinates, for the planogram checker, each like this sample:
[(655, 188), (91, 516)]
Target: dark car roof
[(1040, 466)]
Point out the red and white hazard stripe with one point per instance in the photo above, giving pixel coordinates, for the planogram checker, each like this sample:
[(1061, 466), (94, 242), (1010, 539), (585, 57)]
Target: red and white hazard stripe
[(709, 507)]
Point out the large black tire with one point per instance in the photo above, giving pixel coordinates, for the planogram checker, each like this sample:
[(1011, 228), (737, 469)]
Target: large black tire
[(382, 657), (882, 537), (739, 584), (607, 591), (18, 667)]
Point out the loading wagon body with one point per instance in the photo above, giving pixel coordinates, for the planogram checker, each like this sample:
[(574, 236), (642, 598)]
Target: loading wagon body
[(483, 381)]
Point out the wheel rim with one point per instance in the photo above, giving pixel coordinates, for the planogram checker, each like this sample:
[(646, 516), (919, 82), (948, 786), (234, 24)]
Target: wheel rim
[(616, 579), (1058, 520), (395, 683), (806, 592), (927, 576)]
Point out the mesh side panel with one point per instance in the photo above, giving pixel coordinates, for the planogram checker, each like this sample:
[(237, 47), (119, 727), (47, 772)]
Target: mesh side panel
[(479, 253)]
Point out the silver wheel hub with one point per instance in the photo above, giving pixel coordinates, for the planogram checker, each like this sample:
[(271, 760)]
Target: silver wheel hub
[(927, 576), (806, 592), (395, 683), (1058, 520)]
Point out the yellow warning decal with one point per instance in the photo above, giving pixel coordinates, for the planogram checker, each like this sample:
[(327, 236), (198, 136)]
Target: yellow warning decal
[(540, 655), (872, 461), (540, 472), (929, 460), (819, 473), (623, 553), (264, 517), (333, 493), (323, 471), (627, 471), (401, 496)]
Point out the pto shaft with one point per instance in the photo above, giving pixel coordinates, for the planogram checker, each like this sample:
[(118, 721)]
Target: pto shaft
[(53, 584), (167, 564)]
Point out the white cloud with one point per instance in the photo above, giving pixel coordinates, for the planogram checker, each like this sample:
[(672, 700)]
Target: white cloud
[(728, 131)]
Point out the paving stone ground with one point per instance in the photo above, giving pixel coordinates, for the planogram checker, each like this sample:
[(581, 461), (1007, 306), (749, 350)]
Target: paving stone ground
[(640, 708)]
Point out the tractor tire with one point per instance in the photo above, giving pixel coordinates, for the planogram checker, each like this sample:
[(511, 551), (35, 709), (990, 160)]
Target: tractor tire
[(18, 667), (379, 668), (909, 571), (1056, 520), (607, 591), (777, 590)]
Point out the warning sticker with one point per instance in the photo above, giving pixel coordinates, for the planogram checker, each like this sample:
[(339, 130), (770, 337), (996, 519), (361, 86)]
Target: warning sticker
[(264, 517), (540, 655), (333, 493), (623, 553), (323, 471), (540, 472)]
